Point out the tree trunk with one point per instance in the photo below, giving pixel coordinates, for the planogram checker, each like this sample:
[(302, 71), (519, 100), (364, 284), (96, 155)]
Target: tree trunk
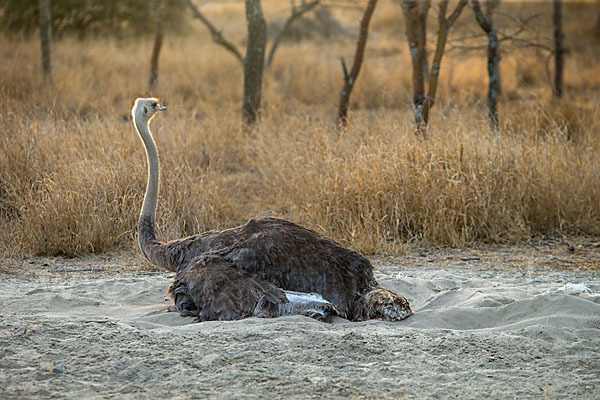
[(254, 60), (598, 25), (493, 57), (444, 25), (415, 13), (494, 77), (422, 43), (44, 8), (558, 49), (415, 16), (158, 39), (350, 79)]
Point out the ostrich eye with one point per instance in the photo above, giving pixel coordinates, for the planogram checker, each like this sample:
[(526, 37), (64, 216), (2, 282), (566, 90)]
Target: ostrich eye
[(153, 104)]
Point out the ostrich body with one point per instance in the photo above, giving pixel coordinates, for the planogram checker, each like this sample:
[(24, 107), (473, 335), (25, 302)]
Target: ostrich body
[(267, 267)]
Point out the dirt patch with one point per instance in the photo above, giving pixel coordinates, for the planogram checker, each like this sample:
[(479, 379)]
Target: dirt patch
[(496, 323)]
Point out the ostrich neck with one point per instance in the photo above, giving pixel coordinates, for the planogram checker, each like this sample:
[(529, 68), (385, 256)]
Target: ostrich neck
[(151, 196), (155, 251)]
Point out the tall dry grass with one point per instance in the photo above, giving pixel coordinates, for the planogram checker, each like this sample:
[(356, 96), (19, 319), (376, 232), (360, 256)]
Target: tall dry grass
[(73, 173)]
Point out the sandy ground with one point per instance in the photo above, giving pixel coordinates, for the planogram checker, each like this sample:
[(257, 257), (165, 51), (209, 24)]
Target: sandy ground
[(490, 323)]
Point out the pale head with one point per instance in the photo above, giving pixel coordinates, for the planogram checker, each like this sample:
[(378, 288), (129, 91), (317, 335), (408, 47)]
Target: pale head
[(146, 108)]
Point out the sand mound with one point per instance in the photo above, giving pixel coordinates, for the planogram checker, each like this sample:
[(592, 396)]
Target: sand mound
[(475, 334)]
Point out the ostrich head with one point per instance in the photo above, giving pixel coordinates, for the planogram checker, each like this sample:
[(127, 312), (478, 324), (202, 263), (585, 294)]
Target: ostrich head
[(145, 109)]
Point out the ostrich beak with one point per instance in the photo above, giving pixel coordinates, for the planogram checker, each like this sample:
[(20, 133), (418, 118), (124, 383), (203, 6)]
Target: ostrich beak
[(160, 108)]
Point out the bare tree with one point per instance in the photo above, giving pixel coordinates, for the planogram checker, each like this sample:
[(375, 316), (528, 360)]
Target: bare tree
[(297, 12), (493, 56), (45, 34), (558, 49), (255, 60), (158, 39), (444, 25), (217, 36), (350, 78), (415, 13)]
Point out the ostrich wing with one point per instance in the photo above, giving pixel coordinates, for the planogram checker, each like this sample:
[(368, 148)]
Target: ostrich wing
[(215, 289), (299, 259)]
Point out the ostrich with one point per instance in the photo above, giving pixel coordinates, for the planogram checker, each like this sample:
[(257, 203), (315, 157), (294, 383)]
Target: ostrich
[(267, 267)]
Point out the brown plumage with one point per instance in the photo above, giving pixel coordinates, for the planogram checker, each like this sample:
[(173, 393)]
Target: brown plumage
[(265, 268), (215, 289)]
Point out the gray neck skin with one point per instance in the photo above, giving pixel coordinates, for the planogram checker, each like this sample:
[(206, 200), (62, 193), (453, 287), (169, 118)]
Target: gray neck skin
[(154, 250)]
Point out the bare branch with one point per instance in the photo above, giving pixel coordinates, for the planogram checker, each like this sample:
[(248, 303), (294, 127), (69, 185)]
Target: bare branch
[(481, 19), (344, 4), (467, 43), (350, 79), (344, 68), (456, 13), (490, 7), (467, 38), (297, 12), (444, 25), (467, 48), (527, 43), (503, 37), (217, 37)]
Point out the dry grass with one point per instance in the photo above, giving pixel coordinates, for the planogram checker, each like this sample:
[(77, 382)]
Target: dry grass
[(72, 170)]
